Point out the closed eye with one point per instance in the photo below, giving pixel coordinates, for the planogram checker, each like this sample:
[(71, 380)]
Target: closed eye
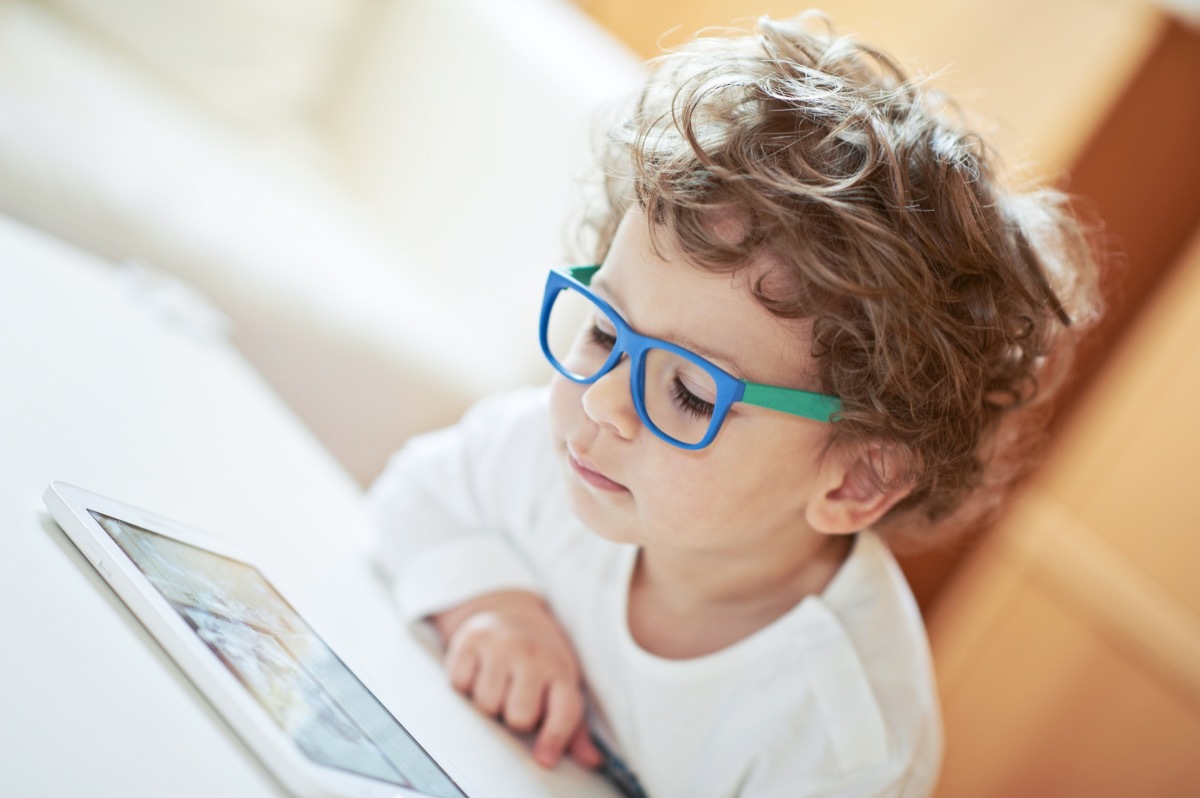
[(690, 403), (599, 337)]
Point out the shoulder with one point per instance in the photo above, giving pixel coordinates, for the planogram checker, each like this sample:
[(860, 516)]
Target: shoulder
[(487, 466), (865, 719), (516, 416), (872, 678), (873, 604), (509, 436), (492, 433)]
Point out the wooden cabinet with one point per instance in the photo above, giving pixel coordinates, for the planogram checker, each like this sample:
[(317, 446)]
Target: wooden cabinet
[(1068, 649), (1041, 75)]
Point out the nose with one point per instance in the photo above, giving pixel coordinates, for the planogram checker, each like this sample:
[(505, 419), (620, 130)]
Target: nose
[(609, 401)]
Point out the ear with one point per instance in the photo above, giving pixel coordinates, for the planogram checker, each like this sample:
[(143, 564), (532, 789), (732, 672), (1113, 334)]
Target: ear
[(850, 496)]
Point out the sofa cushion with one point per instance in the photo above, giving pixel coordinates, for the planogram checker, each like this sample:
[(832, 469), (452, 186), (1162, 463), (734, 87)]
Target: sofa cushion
[(378, 286), (264, 63), (339, 318)]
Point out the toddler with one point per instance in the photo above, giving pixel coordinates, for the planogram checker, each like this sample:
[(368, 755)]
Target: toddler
[(818, 321)]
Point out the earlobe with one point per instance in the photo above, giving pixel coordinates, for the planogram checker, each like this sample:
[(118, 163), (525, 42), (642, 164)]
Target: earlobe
[(851, 496)]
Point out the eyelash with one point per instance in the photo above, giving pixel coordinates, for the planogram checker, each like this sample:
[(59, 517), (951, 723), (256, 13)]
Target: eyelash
[(600, 338), (690, 403)]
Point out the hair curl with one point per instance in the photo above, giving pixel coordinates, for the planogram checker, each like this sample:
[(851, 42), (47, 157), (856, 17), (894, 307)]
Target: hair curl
[(942, 300)]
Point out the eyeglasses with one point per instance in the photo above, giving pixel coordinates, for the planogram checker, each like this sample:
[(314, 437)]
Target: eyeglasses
[(680, 396)]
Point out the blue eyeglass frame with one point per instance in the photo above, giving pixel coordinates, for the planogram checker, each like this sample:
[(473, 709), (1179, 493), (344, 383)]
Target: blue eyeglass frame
[(730, 389)]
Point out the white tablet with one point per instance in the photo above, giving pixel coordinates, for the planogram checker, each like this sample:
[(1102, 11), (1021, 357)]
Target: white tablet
[(297, 706)]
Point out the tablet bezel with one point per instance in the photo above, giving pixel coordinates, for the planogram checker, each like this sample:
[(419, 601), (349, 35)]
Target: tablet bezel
[(70, 506)]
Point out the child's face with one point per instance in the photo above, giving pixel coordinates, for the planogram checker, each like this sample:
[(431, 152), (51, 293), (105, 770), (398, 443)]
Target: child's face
[(755, 480)]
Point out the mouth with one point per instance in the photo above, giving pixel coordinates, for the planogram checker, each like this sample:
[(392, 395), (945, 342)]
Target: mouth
[(589, 474)]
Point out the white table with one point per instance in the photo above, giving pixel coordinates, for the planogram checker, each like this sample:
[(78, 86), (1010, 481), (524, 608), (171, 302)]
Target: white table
[(103, 387)]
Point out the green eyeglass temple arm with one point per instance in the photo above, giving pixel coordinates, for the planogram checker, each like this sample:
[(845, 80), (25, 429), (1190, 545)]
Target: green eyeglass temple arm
[(816, 406), (583, 273)]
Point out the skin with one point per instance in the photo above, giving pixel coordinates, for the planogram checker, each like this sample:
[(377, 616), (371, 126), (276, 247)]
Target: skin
[(508, 654), (730, 537)]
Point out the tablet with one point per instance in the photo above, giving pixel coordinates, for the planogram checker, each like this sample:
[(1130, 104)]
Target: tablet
[(296, 705)]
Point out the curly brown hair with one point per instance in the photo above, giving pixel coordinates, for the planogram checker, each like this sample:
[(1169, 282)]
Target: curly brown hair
[(943, 301)]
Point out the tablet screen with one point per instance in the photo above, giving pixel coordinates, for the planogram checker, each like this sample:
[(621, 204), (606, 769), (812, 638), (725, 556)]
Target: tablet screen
[(281, 661)]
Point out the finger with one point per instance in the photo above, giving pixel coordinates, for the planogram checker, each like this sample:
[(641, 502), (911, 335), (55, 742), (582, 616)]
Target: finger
[(461, 666), (491, 683), (583, 750), (564, 715), (523, 706)]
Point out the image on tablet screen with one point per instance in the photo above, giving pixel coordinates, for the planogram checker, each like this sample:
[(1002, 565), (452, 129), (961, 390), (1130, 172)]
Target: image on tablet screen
[(290, 671)]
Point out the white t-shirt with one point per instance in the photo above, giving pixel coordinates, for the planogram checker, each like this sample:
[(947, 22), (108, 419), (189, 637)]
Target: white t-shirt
[(835, 698)]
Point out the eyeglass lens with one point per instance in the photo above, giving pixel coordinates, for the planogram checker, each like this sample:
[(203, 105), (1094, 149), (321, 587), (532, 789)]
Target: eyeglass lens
[(678, 395)]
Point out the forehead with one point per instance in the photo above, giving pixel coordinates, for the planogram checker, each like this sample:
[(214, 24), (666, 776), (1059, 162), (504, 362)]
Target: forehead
[(714, 313)]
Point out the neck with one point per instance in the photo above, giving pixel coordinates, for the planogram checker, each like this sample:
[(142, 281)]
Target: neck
[(688, 603)]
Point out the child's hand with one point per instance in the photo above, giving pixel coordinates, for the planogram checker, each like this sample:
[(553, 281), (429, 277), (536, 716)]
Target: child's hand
[(507, 653)]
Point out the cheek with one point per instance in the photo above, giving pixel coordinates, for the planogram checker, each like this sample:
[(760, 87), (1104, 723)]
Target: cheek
[(739, 482), (682, 487), (566, 405)]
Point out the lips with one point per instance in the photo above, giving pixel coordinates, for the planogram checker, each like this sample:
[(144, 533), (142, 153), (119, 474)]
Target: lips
[(591, 475)]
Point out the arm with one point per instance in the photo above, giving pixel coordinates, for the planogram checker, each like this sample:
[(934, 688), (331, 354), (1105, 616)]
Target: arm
[(452, 508), (455, 511)]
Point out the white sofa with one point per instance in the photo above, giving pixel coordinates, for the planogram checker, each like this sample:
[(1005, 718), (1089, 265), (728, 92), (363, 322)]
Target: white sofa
[(369, 191)]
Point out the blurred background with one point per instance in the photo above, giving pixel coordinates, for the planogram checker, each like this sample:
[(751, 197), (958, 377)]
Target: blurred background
[(364, 195)]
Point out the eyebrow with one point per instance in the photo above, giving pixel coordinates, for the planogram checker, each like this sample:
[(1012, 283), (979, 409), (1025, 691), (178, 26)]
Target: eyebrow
[(731, 364)]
